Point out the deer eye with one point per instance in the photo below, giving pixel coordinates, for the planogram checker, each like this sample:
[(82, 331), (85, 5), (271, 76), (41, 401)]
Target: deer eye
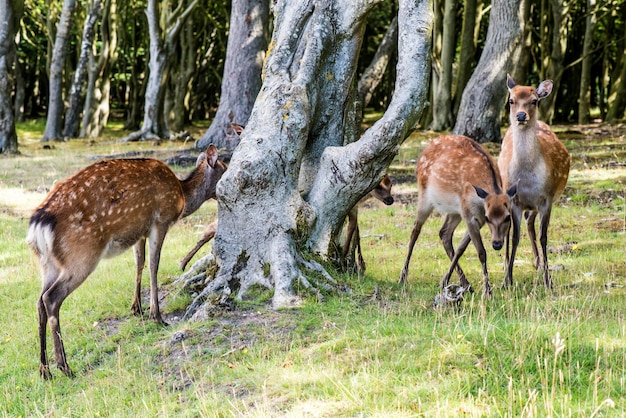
[(487, 219), (508, 218), (511, 102), (534, 102)]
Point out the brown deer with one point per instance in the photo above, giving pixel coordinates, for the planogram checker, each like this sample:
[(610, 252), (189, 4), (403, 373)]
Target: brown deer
[(382, 192), (207, 236), (533, 158), (457, 177), (101, 211)]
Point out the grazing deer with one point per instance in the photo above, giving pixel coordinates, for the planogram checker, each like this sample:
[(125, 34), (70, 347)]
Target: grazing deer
[(101, 211), (382, 192), (533, 158), (233, 130), (457, 177)]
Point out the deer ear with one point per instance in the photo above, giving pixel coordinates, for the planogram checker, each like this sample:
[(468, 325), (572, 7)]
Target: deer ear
[(211, 155), (544, 89), (510, 83), (512, 191), (480, 192)]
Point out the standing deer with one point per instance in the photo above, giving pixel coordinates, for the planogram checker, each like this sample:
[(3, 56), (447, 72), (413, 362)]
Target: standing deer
[(533, 158), (457, 177), (98, 213), (382, 192)]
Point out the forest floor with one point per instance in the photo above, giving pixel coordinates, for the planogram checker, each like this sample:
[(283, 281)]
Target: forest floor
[(382, 350)]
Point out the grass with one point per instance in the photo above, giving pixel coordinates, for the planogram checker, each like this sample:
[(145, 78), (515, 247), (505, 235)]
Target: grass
[(527, 352)]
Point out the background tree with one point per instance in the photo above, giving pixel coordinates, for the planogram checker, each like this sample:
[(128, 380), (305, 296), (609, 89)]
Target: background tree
[(291, 181), (162, 47), (72, 115), (57, 63), (442, 68), (10, 12), (247, 42), (484, 96)]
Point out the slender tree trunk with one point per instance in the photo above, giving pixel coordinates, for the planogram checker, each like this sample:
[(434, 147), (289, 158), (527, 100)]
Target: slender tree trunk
[(10, 15), (560, 27), (584, 98), (177, 104), (467, 50), (270, 213), (247, 42), (617, 95), (484, 97), (19, 105), (55, 102), (72, 115), (442, 91)]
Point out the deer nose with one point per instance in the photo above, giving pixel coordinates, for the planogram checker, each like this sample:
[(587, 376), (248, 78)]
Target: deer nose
[(497, 245), (521, 117), (388, 201)]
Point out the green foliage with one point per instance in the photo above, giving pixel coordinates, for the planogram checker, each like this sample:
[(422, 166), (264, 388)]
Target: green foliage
[(380, 351)]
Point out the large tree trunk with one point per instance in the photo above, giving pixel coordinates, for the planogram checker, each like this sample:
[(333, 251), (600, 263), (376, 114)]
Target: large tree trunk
[(291, 182), (72, 115), (177, 99), (442, 91), (247, 42), (10, 13), (584, 97), (484, 97), (162, 44), (55, 102)]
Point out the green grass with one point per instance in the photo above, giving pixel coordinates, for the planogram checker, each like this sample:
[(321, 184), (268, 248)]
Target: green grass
[(527, 352)]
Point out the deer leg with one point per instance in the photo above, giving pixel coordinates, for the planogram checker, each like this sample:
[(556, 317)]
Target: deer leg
[(360, 262), (352, 225), (207, 236), (543, 239), (473, 230), (445, 234), (454, 262), (139, 250), (423, 212), (50, 275), (157, 236), (530, 226), (516, 218)]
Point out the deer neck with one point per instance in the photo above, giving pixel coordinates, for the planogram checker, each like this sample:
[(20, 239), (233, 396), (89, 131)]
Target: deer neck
[(195, 190), (526, 150)]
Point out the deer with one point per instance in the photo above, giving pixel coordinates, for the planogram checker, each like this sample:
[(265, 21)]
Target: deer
[(382, 192), (458, 178), (537, 161), (99, 212)]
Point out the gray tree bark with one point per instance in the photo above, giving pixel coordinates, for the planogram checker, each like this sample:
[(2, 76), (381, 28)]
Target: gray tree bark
[(96, 107), (291, 181), (10, 14), (162, 44), (72, 115), (245, 51), (485, 94), (59, 52), (467, 49)]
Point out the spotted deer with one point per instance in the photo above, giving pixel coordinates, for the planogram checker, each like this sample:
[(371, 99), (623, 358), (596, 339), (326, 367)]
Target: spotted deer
[(352, 242), (458, 178), (533, 158), (98, 213)]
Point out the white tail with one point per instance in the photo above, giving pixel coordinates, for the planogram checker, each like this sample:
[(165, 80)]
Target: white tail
[(533, 158), (352, 243), (457, 177), (101, 211)]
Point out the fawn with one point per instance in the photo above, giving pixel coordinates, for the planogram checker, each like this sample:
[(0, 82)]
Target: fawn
[(382, 192), (533, 158), (457, 177), (98, 213)]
